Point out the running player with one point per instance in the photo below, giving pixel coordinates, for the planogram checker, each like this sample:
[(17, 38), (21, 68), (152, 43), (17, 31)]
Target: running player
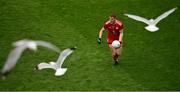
[(115, 32)]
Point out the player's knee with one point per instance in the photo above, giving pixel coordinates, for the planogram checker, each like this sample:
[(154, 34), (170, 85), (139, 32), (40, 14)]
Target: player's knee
[(114, 55), (117, 54)]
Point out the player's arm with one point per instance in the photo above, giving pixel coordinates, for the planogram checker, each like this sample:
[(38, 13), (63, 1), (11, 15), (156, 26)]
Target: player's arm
[(121, 31), (121, 36), (100, 34)]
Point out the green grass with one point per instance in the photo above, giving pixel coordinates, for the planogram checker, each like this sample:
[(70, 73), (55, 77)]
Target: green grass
[(150, 61)]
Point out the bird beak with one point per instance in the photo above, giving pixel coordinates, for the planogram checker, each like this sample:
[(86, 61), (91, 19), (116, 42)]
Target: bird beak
[(73, 48), (3, 75)]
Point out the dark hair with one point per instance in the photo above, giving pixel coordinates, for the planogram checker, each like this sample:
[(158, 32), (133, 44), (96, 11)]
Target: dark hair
[(113, 15)]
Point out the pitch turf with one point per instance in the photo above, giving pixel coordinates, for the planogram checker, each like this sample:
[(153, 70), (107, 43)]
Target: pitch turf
[(150, 61)]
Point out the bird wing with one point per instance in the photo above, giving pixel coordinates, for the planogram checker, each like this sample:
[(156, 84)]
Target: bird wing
[(63, 56), (12, 59), (48, 45), (45, 65), (164, 15), (138, 18)]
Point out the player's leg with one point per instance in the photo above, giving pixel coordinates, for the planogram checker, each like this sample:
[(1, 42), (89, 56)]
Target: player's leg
[(114, 55), (119, 52)]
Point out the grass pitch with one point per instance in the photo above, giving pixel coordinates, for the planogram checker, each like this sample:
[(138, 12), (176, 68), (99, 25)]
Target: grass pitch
[(150, 61)]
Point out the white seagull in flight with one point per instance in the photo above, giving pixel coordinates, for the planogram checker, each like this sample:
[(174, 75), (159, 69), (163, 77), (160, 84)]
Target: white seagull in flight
[(58, 64), (152, 22), (20, 46)]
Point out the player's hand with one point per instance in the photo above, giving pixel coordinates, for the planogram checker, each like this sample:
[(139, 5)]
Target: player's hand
[(99, 40), (121, 43)]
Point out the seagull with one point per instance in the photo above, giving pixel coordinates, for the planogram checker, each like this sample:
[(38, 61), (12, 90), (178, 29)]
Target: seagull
[(57, 66), (152, 22), (20, 46)]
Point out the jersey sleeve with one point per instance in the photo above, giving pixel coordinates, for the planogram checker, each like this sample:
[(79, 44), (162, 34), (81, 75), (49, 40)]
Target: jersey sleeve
[(121, 25), (105, 26)]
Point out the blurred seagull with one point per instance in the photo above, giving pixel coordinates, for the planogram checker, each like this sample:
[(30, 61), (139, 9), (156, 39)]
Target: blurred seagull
[(152, 22), (20, 46), (58, 64)]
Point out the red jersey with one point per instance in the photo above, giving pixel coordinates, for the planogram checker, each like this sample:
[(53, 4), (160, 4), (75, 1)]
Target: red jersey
[(113, 30)]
